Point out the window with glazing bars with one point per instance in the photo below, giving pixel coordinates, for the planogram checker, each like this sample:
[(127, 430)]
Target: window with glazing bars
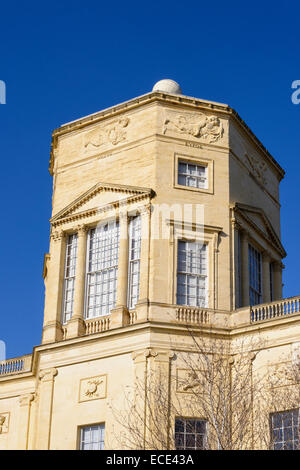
[(190, 434), (102, 269), (192, 274), (134, 261), (285, 430), (190, 174), (92, 437), (255, 281), (69, 277)]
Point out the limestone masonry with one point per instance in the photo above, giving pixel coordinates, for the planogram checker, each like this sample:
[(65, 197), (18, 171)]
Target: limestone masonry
[(165, 218)]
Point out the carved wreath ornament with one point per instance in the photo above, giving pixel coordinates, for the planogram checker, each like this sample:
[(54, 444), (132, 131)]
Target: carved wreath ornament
[(92, 387)]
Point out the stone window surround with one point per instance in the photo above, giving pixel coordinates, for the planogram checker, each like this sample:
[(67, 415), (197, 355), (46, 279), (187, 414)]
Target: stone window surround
[(207, 162), (211, 239)]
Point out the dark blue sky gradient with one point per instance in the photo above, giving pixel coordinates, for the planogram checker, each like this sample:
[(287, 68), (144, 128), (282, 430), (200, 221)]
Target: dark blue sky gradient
[(63, 60)]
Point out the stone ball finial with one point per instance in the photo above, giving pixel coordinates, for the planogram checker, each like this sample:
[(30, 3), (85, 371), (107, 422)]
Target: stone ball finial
[(167, 86)]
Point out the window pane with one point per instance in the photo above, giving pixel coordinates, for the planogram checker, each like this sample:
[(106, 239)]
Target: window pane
[(134, 261), (103, 255), (190, 433), (69, 277), (192, 274), (284, 429), (92, 437), (192, 175), (255, 278)]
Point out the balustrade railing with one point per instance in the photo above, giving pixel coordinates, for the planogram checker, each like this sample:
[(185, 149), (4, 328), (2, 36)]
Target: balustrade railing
[(15, 365), (96, 325), (192, 315), (279, 308)]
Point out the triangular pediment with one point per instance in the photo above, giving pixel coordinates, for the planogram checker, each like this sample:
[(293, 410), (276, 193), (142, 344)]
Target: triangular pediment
[(259, 220), (99, 197)]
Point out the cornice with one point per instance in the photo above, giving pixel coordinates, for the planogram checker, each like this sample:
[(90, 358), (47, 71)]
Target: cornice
[(158, 97)]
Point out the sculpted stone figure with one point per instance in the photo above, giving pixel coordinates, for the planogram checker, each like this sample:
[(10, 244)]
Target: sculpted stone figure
[(197, 125)]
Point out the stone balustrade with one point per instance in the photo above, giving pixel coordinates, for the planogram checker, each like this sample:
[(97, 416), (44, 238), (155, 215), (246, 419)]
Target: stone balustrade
[(15, 365), (278, 309), (96, 325)]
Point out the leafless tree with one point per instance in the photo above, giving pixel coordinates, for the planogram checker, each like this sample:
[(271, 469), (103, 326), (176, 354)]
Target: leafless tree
[(211, 379)]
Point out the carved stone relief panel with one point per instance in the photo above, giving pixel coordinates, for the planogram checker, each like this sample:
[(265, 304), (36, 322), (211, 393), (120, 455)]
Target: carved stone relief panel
[(187, 381), (4, 423), (257, 167), (198, 125), (93, 388), (114, 133)]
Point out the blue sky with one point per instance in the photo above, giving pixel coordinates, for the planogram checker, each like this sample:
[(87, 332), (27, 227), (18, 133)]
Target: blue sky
[(63, 60)]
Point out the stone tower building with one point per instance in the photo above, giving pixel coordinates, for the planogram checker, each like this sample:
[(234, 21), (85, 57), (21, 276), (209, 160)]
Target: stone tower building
[(165, 214)]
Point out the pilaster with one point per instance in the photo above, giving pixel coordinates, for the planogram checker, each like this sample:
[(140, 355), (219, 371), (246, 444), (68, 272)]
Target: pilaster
[(143, 302), (266, 276), (46, 387), (24, 420), (245, 268), (120, 315), (52, 330)]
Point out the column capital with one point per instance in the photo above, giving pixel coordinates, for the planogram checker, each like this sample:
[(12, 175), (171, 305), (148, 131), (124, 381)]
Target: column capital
[(25, 400), (266, 255), (47, 375), (57, 235), (81, 230), (235, 224), (145, 210)]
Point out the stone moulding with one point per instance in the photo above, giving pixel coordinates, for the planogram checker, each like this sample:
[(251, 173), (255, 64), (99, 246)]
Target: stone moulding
[(135, 194)]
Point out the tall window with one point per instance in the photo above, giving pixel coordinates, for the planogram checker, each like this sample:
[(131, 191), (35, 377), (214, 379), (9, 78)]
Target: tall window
[(255, 281), (102, 269), (69, 277), (192, 274), (190, 174), (190, 434), (134, 260), (285, 430), (92, 437)]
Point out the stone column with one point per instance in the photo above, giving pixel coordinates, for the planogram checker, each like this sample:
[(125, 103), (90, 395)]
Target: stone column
[(24, 420), (245, 268), (119, 315), (76, 325), (266, 277), (236, 294), (45, 408), (143, 301), (277, 279), (52, 330)]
